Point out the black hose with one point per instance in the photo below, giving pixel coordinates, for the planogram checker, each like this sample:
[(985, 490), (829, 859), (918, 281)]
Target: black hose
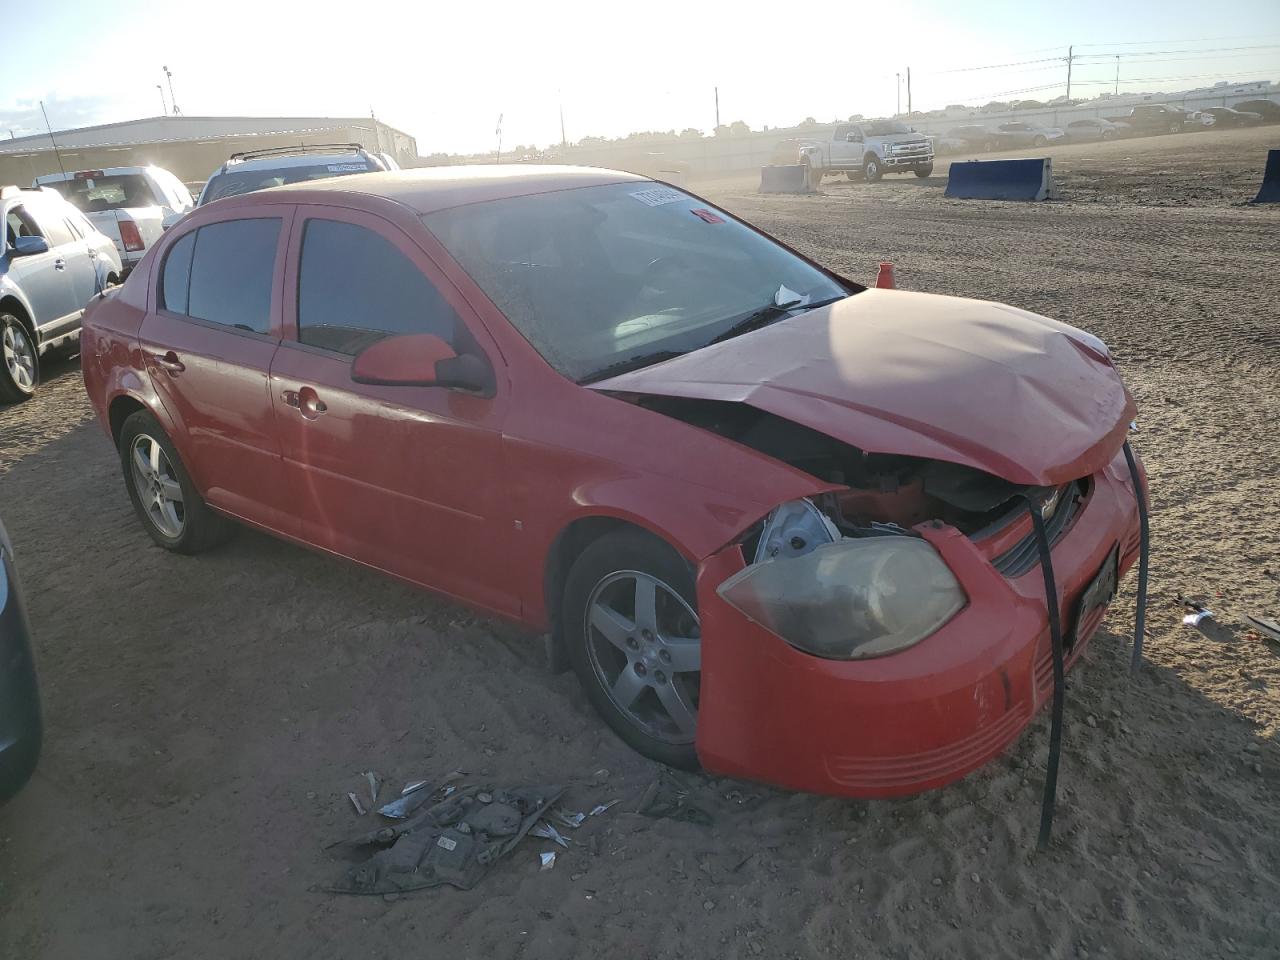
[(1059, 676), (1144, 558)]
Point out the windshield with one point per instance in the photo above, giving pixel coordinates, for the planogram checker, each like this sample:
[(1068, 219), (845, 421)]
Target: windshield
[(602, 277), (885, 128), (236, 182), (91, 195)]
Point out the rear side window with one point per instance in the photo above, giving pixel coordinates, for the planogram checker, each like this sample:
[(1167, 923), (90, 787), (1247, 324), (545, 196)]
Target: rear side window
[(222, 273), (355, 287), (175, 279)]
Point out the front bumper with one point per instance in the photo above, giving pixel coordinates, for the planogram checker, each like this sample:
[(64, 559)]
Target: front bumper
[(913, 160), (20, 727), (914, 720)]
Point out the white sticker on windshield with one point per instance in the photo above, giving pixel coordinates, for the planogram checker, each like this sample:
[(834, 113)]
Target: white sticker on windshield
[(348, 168), (658, 196)]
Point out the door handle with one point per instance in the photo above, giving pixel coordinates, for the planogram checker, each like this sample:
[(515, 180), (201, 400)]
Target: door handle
[(169, 362), (59, 264), (310, 404)]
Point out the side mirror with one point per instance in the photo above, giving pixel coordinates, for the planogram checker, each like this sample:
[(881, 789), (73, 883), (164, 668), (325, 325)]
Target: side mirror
[(420, 360), (29, 246), (171, 218)]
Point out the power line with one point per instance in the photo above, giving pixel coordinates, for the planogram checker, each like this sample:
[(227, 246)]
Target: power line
[(1141, 43), (1156, 53), (999, 66)]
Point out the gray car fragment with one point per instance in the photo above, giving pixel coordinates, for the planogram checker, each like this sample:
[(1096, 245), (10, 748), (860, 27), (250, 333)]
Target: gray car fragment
[(456, 841)]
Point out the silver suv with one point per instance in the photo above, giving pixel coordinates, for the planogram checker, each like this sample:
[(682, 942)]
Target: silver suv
[(52, 263), (276, 166)]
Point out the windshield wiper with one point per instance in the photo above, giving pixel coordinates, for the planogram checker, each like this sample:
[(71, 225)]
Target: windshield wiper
[(631, 363), (770, 313)]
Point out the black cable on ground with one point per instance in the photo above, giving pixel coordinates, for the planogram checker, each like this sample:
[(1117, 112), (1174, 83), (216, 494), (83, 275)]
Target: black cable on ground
[(1144, 556), (1059, 676)]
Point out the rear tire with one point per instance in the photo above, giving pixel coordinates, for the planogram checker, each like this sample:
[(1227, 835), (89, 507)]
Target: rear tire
[(630, 628), (166, 501), (19, 361)]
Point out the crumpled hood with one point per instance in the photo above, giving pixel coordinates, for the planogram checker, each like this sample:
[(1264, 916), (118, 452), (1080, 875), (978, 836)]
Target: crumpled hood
[(1014, 394)]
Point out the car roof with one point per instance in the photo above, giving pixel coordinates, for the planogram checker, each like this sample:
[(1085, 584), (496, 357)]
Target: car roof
[(105, 171), (428, 189)]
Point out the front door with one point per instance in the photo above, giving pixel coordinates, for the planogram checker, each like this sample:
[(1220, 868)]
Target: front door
[(403, 478), (42, 277), (207, 342)]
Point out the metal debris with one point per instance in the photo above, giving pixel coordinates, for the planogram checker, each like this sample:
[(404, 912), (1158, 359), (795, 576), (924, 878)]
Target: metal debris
[(1196, 617), (548, 832), (596, 811), (374, 785), (413, 787), (355, 802), (548, 860), (572, 820), (1265, 626)]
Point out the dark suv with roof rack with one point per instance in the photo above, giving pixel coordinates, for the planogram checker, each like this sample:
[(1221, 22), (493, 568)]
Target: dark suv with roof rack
[(276, 166)]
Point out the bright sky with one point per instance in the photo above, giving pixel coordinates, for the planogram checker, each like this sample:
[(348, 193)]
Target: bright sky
[(445, 73)]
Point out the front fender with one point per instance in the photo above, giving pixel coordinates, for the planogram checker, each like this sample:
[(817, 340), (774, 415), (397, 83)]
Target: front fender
[(10, 290)]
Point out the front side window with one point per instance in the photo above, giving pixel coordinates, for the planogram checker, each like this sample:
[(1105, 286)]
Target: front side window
[(231, 269), (886, 128), (18, 223), (356, 287), (599, 279)]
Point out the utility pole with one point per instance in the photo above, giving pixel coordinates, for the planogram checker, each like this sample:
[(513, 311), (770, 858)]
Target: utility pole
[(164, 107), (1117, 74), (498, 156), (717, 89), (564, 141), (1070, 57), (172, 99), (908, 93), (898, 90)]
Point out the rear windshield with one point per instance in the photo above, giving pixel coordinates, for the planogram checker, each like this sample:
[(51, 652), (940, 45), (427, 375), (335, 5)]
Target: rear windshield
[(107, 193), (236, 182)]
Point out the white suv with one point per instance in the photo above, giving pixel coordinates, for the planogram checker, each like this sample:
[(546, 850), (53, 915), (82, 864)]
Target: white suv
[(273, 167)]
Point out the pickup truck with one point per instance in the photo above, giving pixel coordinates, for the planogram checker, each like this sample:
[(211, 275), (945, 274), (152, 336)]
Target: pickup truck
[(131, 205), (1146, 119), (865, 150)]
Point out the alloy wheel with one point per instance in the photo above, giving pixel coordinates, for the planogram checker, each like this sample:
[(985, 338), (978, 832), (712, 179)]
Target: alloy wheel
[(157, 485), (19, 357), (645, 647)]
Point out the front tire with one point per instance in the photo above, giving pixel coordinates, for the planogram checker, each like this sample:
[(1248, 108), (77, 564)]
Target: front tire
[(166, 501), (631, 631), (871, 169), (924, 171), (1039, 142), (19, 361)]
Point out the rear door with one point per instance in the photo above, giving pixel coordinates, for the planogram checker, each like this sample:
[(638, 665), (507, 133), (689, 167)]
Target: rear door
[(211, 330), (404, 478)]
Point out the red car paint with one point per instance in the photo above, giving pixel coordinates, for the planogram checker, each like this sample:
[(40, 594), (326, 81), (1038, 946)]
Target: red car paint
[(283, 438)]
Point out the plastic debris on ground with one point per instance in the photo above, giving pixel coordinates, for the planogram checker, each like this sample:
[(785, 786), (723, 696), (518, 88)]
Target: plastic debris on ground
[(571, 820), (1264, 625), (374, 786), (548, 860), (455, 841), (355, 802), (666, 800), (547, 832), (596, 811), (411, 800)]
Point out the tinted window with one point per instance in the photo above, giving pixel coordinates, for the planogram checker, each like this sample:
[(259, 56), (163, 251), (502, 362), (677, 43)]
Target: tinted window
[(18, 223), (235, 182), (231, 272), (356, 287), (51, 225), (176, 277), (92, 194)]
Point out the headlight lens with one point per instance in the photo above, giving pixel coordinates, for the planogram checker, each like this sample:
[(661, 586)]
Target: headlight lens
[(850, 600)]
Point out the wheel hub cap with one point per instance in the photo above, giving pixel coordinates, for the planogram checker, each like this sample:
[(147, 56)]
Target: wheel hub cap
[(19, 358), (157, 486)]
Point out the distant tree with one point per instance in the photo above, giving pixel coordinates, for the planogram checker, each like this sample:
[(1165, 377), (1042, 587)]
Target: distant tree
[(856, 117), (956, 106), (721, 131), (690, 133), (995, 106), (738, 129), (808, 123)]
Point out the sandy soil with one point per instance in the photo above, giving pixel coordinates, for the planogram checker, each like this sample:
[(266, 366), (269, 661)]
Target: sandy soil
[(206, 716)]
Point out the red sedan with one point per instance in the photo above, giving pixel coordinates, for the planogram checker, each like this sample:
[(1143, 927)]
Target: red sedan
[(778, 523)]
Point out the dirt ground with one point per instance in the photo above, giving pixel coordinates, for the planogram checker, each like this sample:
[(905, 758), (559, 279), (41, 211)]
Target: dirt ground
[(207, 716)]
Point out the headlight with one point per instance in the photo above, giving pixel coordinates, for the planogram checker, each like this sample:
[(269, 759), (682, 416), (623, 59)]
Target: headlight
[(850, 600)]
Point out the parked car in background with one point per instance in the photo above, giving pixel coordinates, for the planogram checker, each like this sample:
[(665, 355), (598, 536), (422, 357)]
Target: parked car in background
[(20, 724), (52, 263), (973, 136), (1146, 119), (131, 205), (1227, 117), (866, 150), (1268, 110), (1198, 119), (523, 387), (276, 166), (1091, 129), (1016, 134)]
